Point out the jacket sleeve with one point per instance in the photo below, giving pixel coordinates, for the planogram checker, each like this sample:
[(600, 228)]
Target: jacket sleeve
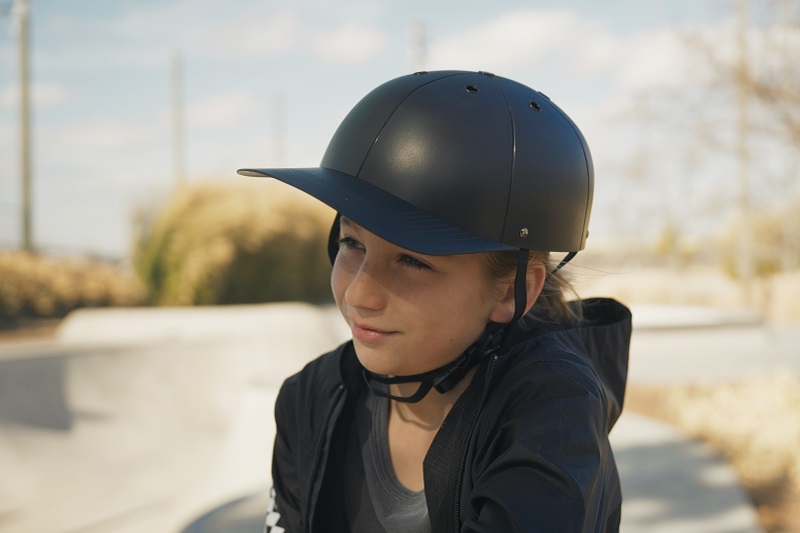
[(545, 465), (284, 513)]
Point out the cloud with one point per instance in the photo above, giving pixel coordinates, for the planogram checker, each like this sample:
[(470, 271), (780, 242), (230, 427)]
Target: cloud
[(250, 37), (292, 32), (222, 111), (43, 95), (512, 40), (655, 60), (287, 32), (562, 44), (349, 44), (143, 35), (107, 133)]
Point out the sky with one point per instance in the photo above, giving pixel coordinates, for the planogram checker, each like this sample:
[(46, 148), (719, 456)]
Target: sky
[(266, 83)]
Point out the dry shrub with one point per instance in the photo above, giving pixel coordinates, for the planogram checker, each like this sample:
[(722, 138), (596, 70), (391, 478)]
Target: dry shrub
[(244, 241), (782, 292), (755, 425), (776, 242), (36, 286)]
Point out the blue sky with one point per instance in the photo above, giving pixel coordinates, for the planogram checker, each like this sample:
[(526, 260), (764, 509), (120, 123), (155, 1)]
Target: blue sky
[(101, 88)]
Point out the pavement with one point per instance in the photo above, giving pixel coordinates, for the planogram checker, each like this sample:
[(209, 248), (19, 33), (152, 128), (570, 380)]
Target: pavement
[(136, 420)]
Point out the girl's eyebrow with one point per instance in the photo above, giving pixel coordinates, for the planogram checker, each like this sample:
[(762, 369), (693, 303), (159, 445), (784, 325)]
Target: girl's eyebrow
[(352, 226), (344, 221)]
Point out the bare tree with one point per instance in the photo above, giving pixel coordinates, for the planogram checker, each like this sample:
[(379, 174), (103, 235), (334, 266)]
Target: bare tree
[(727, 139)]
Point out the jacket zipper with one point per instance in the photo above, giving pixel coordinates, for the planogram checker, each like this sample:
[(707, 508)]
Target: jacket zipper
[(463, 467), (324, 438)]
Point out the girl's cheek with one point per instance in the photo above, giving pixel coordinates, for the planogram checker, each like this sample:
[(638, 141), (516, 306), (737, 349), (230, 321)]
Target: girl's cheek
[(341, 275)]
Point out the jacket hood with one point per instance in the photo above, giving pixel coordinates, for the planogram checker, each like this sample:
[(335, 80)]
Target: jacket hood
[(604, 336)]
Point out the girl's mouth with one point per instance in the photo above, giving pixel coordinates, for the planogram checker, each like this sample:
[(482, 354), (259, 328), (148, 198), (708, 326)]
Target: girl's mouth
[(369, 335)]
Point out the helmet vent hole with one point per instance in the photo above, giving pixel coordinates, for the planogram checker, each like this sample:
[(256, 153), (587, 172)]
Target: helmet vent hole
[(535, 105), (472, 89)]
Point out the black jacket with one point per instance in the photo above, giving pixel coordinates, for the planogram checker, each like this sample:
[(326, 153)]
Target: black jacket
[(525, 448)]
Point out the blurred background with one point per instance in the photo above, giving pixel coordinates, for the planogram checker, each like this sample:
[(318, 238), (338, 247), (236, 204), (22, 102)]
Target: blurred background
[(121, 127)]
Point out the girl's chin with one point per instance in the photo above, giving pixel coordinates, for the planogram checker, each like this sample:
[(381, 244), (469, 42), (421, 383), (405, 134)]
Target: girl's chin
[(383, 365), (377, 367), (380, 363)]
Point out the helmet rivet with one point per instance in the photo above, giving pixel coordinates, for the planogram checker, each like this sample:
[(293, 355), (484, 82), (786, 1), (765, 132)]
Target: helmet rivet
[(523, 232), (472, 89), (536, 106)]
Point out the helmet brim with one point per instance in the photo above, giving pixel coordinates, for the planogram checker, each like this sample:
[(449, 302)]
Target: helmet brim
[(380, 212)]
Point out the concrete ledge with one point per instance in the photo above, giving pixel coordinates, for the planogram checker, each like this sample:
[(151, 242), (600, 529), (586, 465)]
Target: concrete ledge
[(170, 324), (659, 317)]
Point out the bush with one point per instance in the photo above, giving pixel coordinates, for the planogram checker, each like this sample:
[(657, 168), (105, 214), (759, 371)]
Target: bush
[(36, 286), (776, 243), (247, 241), (754, 425)]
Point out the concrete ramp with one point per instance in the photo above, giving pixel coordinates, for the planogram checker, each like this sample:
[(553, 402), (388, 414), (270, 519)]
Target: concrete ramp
[(273, 322), (161, 420), (143, 419)]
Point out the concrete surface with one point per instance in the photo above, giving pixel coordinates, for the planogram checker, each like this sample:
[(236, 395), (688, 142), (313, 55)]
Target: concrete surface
[(161, 419), (674, 484)]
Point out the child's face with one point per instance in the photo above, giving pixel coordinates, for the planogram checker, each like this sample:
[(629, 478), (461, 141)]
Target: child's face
[(410, 313)]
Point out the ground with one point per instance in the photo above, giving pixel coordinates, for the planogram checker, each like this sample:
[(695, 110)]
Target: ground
[(776, 496), (776, 491)]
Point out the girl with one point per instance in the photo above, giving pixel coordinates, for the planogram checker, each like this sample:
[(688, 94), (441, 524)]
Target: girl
[(472, 396)]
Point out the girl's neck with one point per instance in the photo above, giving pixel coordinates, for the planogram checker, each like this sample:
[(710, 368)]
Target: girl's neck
[(430, 412)]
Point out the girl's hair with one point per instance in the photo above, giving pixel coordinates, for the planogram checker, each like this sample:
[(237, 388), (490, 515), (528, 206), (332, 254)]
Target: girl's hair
[(552, 302)]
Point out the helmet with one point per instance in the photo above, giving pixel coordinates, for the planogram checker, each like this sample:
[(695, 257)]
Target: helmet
[(456, 162)]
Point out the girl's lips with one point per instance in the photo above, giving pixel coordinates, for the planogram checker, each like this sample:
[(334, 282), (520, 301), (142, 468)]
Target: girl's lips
[(369, 335)]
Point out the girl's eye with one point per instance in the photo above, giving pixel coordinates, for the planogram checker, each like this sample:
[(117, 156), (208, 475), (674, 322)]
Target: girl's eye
[(413, 262), (349, 242)]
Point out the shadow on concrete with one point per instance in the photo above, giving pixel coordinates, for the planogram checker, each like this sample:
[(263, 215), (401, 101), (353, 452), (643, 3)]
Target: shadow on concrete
[(245, 515), (680, 485), (33, 393)]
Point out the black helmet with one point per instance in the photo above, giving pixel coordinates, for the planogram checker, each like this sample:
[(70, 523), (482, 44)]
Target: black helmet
[(456, 162)]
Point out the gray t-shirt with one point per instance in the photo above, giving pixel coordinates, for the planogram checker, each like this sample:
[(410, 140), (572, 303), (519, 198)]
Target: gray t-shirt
[(398, 509)]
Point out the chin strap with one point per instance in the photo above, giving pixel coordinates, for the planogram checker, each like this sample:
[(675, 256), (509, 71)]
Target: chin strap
[(520, 285), (567, 259), (444, 378)]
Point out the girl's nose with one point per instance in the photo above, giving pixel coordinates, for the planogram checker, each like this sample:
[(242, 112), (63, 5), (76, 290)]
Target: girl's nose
[(366, 291)]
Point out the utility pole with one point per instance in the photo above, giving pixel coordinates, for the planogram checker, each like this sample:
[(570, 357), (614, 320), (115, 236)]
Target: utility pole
[(278, 129), (745, 238), (419, 45), (21, 10), (177, 119)]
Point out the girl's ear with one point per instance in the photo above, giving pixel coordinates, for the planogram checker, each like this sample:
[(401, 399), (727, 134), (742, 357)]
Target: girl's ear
[(503, 311)]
